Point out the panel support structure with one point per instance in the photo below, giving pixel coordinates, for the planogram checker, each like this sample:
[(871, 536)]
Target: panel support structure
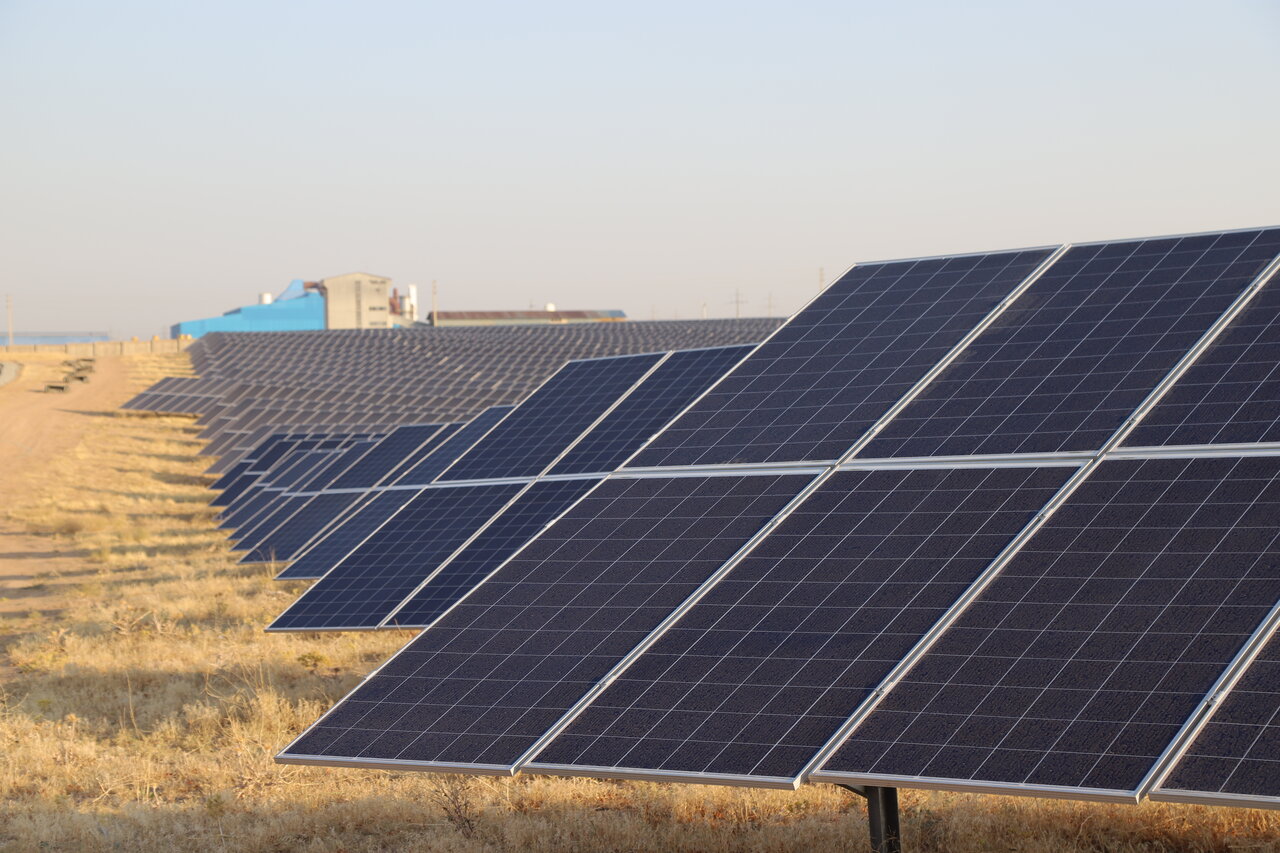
[(882, 816)]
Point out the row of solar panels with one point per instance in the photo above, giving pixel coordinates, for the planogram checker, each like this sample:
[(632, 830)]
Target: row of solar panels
[(447, 516), (254, 385), (996, 522)]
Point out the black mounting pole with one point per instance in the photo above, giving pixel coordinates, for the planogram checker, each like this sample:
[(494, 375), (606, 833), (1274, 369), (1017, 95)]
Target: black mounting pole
[(882, 816)]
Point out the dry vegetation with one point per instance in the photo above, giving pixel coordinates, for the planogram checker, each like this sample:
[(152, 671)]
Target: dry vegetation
[(144, 714)]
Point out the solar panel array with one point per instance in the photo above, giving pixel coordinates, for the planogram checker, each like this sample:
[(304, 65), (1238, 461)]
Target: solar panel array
[(253, 384), (422, 546), (1002, 522)]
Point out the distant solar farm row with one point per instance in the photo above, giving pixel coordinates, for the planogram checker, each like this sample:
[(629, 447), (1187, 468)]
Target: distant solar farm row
[(1001, 522)]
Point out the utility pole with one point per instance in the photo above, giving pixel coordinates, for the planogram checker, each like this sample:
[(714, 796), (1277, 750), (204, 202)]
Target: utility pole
[(738, 302), (435, 304), (704, 309), (8, 304)]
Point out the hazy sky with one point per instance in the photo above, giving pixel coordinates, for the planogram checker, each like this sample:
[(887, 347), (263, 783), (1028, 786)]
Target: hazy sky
[(164, 161)]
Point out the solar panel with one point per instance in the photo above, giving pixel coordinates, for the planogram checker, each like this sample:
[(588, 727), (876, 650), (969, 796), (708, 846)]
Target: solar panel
[(481, 686), (304, 515), (532, 436), (446, 454), (251, 538), (1232, 392), (758, 675), (672, 386), (366, 586), (341, 463), (325, 553), (813, 388), (1064, 367), (387, 455), (1080, 663), (1235, 759), (507, 533)]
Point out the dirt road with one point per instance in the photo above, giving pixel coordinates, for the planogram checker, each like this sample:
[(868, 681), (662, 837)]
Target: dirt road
[(34, 428)]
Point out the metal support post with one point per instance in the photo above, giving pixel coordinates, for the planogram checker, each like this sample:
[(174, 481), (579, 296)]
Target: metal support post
[(882, 817)]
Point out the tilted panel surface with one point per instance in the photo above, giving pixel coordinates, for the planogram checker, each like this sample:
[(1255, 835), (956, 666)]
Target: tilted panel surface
[(540, 428), (446, 454), (514, 527), (296, 530), (252, 534), (310, 513), (331, 470), (813, 389), (1082, 660), (493, 673), (1237, 754), (1232, 392), (385, 456), (660, 397), (1064, 367), (767, 666), (366, 586), (347, 535)]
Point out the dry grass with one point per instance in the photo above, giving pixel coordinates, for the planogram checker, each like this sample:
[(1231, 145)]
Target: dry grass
[(145, 715)]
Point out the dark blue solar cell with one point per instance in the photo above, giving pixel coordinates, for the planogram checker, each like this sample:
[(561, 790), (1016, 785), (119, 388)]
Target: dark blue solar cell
[(447, 453), (814, 388), (1067, 364), (319, 557), (235, 518), (372, 580), (764, 669), (1232, 392), (539, 429), (302, 468), (1237, 754), (483, 683), (249, 537), (385, 457), (1082, 660), (342, 461), (649, 407), (303, 515), (241, 484), (230, 477), (505, 535)]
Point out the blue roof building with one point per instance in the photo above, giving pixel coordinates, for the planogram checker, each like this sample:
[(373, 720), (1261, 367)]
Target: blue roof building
[(296, 310)]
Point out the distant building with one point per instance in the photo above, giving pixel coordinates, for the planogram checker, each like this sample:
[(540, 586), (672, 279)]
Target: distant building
[(351, 301), (356, 301), (517, 318), (42, 338)]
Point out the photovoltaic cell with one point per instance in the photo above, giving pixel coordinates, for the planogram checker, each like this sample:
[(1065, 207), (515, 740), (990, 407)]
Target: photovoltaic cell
[(813, 389), (310, 513), (505, 663), (385, 456), (342, 461), (328, 551), (540, 428), (1237, 755), (648, 408), (1067, 363), (446, 454), (369, 583), (249, 538), (1232, 392), (284, 542), (505, 535), (1082, 660), (767, 666)]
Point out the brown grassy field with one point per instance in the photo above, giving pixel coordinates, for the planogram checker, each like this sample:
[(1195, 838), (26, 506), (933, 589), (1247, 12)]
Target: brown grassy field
[(141, 704)]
